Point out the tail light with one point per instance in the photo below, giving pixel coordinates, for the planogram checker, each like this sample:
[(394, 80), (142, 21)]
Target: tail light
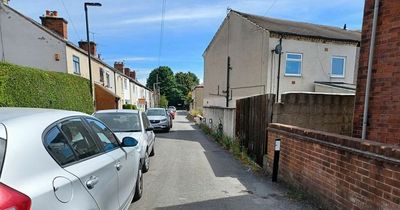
[(11, 199)]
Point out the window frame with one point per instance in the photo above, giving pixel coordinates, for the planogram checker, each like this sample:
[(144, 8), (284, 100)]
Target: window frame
[(293, 59), (77, 63), (58, 123), (76, 158), (344, 58), (108, 84), (101, 70)]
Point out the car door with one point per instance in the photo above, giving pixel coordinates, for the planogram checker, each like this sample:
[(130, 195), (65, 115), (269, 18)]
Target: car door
[(95, 169), (126, 160)]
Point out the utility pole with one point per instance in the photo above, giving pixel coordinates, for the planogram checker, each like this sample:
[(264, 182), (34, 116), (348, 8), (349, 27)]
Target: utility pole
[(228, 69), (278, 50)]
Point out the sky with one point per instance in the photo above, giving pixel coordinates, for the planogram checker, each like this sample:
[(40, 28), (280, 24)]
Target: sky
[(129, 30)]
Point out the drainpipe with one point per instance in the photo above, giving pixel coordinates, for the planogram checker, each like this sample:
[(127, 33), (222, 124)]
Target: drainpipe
[(369, 75)]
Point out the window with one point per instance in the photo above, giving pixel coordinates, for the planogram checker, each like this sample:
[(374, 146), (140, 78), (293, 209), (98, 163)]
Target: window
[(77, 65), (58, 147), (125, 84), (79, 138), (338, 66), (293, 64), (146, 122), (106, 137), (121, 122), (2, 152), (101, 75), (108, 80)]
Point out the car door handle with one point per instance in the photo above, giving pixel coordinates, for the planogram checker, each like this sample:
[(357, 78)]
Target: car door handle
[(118, 166), (93, 180)]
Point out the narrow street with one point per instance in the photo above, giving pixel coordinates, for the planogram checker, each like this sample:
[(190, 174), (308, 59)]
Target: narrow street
[(191, 172)]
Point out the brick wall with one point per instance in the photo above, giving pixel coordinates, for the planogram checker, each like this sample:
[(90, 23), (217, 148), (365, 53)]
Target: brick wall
[(342, 172), (319, 111), (384, 120), (105, 99)]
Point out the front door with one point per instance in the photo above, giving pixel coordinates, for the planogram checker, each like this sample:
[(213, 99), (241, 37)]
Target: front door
[(126, 161)]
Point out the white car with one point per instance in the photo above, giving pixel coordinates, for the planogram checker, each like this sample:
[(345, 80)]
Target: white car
[(53, 159), (159, 119), (132, 123)]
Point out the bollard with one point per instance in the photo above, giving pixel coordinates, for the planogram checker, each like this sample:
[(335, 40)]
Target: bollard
[(276, 160)]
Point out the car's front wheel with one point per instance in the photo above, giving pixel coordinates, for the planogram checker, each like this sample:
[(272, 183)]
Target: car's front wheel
[(139, 186)]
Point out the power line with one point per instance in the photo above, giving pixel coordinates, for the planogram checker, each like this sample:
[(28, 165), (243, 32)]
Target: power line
[(70, 19), (161, 31), (272, 5)]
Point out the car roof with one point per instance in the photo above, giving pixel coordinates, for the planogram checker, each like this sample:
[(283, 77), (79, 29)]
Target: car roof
[(117, 111), (156, 109), (8, 114)]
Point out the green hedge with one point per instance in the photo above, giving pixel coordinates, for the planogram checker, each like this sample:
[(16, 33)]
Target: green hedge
[(129, 106), (29, 87)]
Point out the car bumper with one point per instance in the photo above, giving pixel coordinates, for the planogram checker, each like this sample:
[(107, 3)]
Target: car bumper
[(160, 126)]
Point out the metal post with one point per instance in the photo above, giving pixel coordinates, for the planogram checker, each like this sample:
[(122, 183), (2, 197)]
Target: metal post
[(279, 72), (88, 51), (228, 69), (276, 160)]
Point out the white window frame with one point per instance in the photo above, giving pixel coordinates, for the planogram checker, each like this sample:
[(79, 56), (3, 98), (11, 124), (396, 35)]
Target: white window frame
[(102, 73), (76, 64), (292, 59), (126, 82), (344, 66), (107, 77)]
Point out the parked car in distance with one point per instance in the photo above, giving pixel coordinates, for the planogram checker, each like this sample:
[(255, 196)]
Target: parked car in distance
[(132, 123), (159, 119), (53, 159)]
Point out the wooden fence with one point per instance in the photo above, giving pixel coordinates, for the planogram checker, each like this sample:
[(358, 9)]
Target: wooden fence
[(252, 118)]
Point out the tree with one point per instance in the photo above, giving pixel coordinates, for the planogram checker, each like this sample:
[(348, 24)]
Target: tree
[(166, 80), (186, 82), (163, 101)]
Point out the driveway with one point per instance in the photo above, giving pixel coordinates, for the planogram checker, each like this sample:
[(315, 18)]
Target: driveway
[(191, 172)]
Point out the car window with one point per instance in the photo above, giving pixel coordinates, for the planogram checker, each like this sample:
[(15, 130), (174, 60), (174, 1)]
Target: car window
[(2, 152), (58, 147), (106, 136), (121, 122), (79, 138), (146, 122), (155, 112)]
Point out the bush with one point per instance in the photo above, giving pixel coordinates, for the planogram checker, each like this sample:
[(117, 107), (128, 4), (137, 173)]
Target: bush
[(195, 112), (129, 106), (29, 87)]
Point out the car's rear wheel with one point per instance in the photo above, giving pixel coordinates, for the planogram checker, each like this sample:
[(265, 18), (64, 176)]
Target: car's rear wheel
[(146, 164), (139, 186)]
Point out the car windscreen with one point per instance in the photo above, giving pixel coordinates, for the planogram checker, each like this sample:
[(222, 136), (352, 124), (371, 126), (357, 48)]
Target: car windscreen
[(121, 122), (155, 112), (2, 152)]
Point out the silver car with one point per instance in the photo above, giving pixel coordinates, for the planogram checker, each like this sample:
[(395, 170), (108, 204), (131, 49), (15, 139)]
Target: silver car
[(132, 123), (159, 119), (52, 159)]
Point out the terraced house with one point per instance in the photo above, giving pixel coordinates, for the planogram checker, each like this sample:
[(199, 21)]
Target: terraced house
[(46, 46)]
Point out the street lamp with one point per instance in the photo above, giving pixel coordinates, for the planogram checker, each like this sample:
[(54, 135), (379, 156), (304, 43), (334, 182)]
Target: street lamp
[(88, 4)]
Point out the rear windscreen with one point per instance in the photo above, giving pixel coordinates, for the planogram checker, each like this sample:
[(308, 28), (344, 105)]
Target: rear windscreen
[(2, 152)]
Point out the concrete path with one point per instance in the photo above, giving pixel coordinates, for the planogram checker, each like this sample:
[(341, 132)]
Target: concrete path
[(191, 172)]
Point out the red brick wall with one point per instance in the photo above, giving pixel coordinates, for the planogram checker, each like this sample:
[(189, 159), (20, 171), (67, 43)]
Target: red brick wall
[(57, 25), (104, 99), (342, 172), (384, 120)]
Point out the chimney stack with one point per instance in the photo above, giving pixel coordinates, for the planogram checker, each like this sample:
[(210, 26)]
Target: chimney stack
[(119, 66), (127, 71), (5, 1), (84, 45), (132, 75), (56, 24)]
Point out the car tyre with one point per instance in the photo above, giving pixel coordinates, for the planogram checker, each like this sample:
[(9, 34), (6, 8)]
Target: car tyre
[(152, 153), (146, 162), (139, 186)]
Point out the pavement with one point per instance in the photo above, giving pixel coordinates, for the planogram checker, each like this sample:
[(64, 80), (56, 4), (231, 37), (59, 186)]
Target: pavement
[(189, 171)]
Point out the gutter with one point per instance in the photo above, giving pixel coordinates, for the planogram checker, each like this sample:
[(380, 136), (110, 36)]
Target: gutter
[(369, 75)]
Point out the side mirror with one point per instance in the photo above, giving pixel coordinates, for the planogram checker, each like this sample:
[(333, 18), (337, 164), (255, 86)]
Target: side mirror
[(150, 128), (129, 142)]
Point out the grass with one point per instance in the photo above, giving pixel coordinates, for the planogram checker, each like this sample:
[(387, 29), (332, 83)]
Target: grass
[(232, 145)]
